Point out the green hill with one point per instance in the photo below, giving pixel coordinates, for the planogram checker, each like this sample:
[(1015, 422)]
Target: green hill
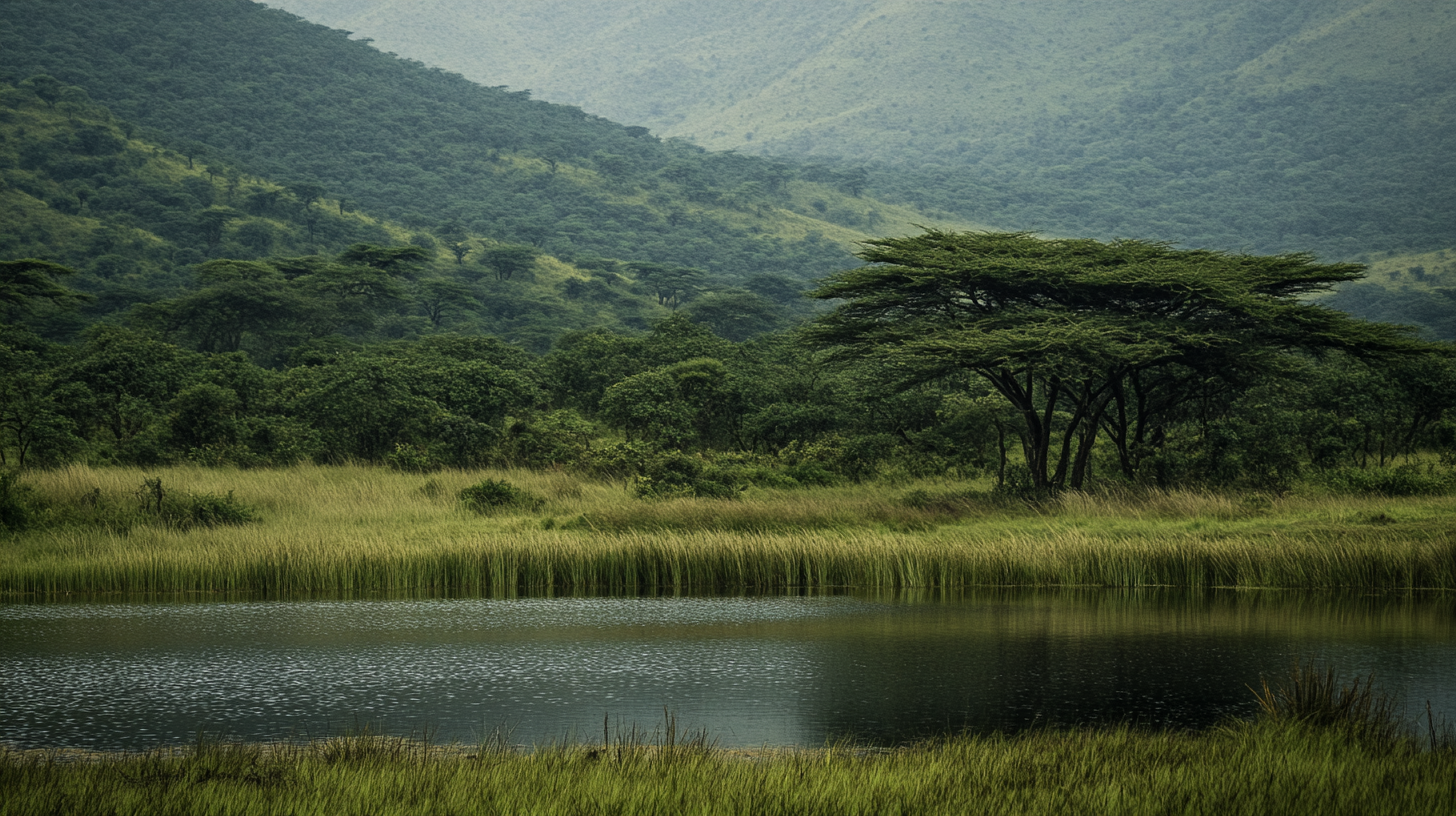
[(1417, 289), (143, 139), (1267, 125), (298, 103), (1242, 138), (138, 221)]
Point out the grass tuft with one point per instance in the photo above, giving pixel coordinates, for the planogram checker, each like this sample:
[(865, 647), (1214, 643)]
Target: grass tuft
[(1316, 697)]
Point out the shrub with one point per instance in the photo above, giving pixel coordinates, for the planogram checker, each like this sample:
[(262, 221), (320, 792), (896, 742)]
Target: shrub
[(1404, 480), (617, 461), (16, 501), (185, 511), (811, 474), (412, 459), (676, 474), (557, 438), (489, 495)]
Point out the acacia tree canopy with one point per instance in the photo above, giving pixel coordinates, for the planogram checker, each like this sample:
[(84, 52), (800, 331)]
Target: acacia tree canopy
[(28, 280), (1066, 329)]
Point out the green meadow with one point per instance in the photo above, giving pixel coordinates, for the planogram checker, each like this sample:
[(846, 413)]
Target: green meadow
[(356, 529), (1262, 767)]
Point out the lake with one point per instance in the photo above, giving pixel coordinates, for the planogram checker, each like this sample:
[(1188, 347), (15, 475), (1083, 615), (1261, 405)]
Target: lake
[(775, 670)]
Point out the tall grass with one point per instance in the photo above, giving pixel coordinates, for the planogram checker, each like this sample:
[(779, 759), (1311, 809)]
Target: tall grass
[(1263, 767), (1316, 697), (355, 529)]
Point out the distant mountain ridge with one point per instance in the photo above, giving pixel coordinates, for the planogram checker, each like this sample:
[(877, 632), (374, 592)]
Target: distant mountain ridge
[(1267, 125)]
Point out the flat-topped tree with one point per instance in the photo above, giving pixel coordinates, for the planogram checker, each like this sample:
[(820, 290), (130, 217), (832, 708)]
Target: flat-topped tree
[(1080, 335), (403, 261), (28, 281), (509, 260)]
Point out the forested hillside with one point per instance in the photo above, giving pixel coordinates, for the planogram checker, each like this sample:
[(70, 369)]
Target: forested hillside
[(238, 83), (1266, 125), (139, 223), (234, 237)]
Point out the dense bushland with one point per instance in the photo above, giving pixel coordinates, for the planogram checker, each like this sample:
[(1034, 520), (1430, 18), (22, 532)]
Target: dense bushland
[(1042, 364), (140, 222), (682, 412)]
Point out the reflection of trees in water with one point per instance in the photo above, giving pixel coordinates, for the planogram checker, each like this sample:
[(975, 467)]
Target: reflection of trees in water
[(884, 691), (1179, 661)]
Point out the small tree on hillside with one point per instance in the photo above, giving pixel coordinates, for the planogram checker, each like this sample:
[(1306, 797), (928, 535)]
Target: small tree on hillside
[(509, 260)]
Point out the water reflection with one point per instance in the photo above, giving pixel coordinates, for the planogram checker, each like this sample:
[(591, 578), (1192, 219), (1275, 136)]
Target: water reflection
[(773, 670)]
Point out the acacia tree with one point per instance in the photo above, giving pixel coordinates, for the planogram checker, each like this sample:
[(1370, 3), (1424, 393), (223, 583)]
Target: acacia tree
[(508, 260), (672, 285), (25, 282), (401, 261), (1080, 335), (236, 299)]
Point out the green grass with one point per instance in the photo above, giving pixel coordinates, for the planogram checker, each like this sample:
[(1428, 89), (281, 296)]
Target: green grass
[(357, 529), (1262, 767)]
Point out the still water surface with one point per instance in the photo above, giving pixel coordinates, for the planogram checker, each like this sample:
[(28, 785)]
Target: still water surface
[(752, 671)]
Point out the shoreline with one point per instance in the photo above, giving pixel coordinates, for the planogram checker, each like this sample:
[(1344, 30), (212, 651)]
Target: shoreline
[(1250, 766), (371, 530)]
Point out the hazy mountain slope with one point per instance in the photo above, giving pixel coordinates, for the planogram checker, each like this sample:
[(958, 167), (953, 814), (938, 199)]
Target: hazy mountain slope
[(788, 72), (1252, 124), (654, 63)]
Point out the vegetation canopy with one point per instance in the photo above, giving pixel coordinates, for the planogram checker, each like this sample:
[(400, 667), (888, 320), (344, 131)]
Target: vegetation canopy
[(1079, 335)]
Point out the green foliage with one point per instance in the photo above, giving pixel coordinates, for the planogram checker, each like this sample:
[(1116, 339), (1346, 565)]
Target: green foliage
[(507, 261), (492, 165), (647, 407), (151, 504), (737, 314), (680, 411), (811, 474), (17, 501), (675, 474), (490, 495), (412, 458), (1084, 338), (186, 511), (26, 281), (554, 439), (1401, 480), (1409, 287), (40, 407), (173, 243)]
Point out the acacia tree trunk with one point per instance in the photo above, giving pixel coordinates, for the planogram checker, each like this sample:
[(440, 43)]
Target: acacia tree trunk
[(1086, 401)]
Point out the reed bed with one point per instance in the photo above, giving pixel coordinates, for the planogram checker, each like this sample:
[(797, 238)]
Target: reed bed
[(357, 529), (1261, 767)]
